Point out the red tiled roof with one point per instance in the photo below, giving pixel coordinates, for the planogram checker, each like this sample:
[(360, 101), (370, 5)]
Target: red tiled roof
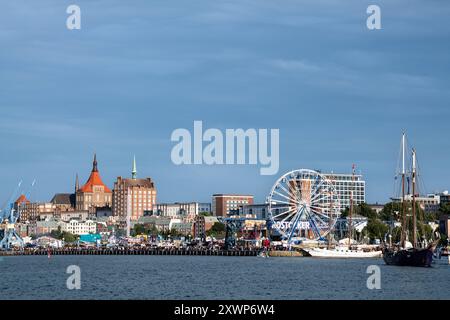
[(22, 199), (94, 180)]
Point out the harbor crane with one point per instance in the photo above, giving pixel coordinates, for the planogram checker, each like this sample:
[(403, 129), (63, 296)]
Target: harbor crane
[(8, 219)]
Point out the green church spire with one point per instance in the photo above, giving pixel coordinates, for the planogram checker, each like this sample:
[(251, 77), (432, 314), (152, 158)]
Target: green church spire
[(134, 172)]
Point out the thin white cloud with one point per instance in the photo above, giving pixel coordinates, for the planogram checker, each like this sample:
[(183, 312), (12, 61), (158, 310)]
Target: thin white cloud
[(294, 65)]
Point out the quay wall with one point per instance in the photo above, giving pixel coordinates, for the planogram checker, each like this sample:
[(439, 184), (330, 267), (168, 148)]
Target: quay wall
[(130, 251)]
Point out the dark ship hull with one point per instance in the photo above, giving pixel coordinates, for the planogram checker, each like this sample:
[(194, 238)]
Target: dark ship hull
[(408, 257)]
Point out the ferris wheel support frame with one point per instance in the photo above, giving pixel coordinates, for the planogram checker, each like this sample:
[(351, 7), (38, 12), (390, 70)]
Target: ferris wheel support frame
[(318, 204)]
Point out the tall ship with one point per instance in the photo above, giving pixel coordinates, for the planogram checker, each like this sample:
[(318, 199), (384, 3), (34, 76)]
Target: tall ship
[(406, 253), (344, 250)]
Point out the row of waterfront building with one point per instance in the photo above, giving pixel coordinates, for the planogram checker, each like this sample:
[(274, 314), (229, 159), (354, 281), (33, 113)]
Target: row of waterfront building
[(134, 197), (94, 207)]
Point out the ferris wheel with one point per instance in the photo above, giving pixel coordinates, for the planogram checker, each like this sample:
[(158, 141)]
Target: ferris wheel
[(303, 204)]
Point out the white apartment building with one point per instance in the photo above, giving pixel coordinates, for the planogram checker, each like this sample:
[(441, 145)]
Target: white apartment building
[(345, 185), (79, 227), (186, 210)]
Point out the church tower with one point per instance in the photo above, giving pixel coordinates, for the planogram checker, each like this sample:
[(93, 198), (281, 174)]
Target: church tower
[(134, 171), (94, 193)]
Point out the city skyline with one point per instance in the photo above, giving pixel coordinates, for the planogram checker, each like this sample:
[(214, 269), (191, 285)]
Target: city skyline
[(339, 93), (133, 175)]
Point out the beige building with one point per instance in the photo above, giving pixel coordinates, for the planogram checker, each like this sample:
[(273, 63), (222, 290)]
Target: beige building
[(74, 215), (94, 193), (428, 203), (185, 210), (32, 211), (133, 196)]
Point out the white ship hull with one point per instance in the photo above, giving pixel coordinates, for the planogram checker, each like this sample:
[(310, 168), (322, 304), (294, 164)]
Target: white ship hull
[(342, 253)]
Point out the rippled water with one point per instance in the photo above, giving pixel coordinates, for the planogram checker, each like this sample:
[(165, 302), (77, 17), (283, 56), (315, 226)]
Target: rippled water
[(201, 277)]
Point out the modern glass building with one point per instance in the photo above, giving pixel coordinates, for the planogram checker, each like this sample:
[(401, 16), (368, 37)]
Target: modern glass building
[(345, 184)]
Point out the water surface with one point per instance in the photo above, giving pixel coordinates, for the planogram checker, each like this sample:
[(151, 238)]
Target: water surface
[(203, 277)]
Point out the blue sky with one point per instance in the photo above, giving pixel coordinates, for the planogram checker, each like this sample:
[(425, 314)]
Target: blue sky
[(137, 70)]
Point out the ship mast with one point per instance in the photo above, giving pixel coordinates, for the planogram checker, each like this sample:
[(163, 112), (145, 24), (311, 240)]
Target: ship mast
[(414, 198), (403, 234), (351, 209), (331, 213)]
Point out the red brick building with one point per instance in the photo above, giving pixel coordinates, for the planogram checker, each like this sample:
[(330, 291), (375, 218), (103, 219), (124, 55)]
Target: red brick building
[(228, 204), (94, 193), (133, 196)]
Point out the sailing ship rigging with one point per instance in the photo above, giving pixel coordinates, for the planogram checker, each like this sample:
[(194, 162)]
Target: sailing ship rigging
[(404, 255), (345, 251)]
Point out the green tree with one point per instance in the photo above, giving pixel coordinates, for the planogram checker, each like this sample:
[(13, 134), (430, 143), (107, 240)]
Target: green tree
[(57, 234), (138, 229), (205, 214), (362, 209), (396, 234), (218, 227), (425, 231), (444, 209), (173, 233), (376, 229), (217, 230), (366, 211), (391, 211), (147, 229), (444, 240), (69, 237), (152, 230)]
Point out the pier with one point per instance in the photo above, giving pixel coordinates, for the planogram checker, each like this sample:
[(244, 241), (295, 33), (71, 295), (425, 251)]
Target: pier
[(286, 253), (132, 251)]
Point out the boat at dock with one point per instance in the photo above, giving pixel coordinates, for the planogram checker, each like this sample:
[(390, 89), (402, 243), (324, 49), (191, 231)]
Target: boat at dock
[(409, 257), (342, 252)]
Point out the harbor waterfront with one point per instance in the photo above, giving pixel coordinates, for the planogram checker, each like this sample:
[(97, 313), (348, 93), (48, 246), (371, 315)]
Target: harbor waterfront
[(201, 277), (155, 251), (304, 211), (133, 251)]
